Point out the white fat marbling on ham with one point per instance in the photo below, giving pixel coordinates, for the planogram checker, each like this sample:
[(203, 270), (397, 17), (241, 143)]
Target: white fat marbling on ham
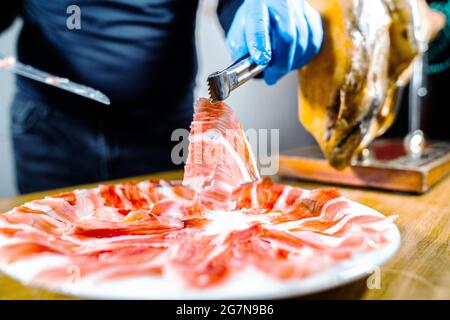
[(222, 220)]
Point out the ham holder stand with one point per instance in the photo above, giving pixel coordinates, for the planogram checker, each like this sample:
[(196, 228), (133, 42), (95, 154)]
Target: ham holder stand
[(410, 165)]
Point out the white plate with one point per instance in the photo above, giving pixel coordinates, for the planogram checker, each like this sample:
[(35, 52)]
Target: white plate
[(249, 284)]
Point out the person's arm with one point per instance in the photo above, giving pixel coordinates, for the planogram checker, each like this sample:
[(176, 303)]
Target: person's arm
[(439, 48), (226, 10), (8, 13)]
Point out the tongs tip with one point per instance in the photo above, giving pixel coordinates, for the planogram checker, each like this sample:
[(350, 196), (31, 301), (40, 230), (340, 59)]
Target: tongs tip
[(218, 87), (222, 83)]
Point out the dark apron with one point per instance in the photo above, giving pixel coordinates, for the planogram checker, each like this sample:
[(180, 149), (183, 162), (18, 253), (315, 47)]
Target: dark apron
[(59, 147)]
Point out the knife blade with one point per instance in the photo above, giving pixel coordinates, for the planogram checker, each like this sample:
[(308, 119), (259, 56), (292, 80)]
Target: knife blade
[(11, 64)]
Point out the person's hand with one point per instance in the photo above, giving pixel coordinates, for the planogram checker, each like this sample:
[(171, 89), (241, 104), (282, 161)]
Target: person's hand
[(286, 33), (432, 21)]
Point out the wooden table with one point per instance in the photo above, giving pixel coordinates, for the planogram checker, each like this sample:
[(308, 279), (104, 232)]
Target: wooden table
[(420, 270)]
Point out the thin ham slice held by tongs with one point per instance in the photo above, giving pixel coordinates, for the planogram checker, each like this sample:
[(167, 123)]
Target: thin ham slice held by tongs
[(10, 63)]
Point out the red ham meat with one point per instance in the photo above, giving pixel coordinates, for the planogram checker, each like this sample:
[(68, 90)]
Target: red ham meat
[(220, 158), (221, 221)]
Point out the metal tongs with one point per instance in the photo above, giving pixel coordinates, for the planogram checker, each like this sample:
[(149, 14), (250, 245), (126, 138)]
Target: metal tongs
[(221, 83), (11, 64)]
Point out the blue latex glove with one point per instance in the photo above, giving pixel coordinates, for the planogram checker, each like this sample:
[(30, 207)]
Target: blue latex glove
[(286, 33)]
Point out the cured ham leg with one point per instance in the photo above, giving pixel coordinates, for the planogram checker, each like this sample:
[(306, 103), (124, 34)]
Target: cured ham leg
[(348, 92)]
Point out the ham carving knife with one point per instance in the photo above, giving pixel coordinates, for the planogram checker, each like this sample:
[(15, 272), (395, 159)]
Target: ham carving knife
[(11, 64)]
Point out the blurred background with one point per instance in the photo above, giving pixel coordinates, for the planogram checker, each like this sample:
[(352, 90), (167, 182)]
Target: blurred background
[(254, 103)]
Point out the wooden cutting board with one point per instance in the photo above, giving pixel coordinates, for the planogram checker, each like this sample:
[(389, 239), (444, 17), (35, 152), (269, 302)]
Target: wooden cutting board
[(389, 167)]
